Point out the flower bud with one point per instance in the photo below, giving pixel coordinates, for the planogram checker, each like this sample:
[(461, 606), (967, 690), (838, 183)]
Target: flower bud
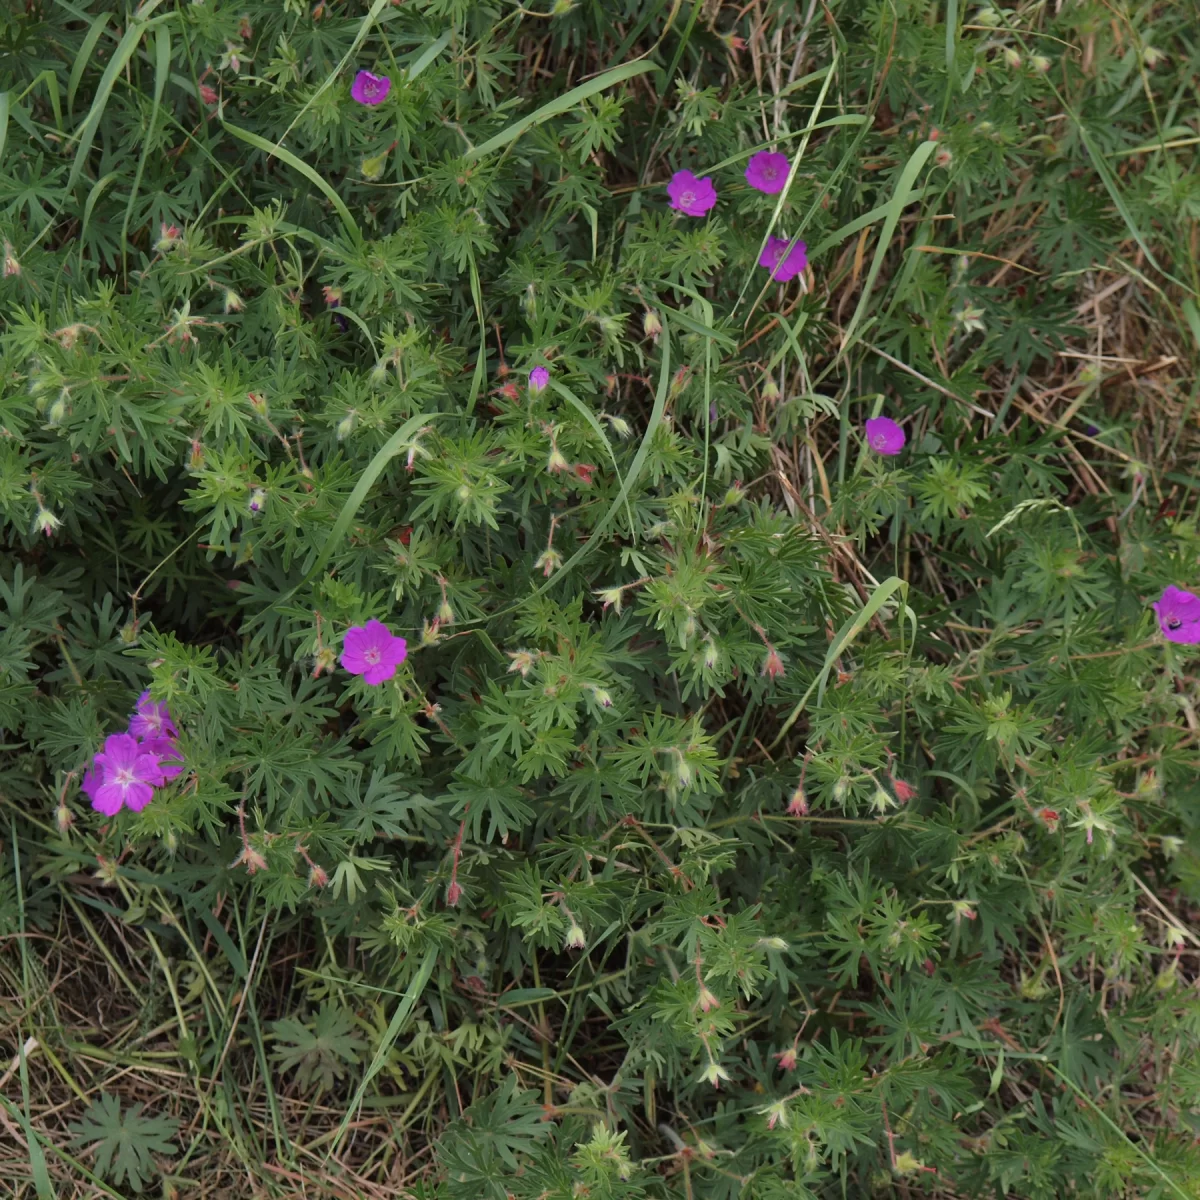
[(557, 461), (317, 876), (772, 943), (445, 614), (619, 425), (1152, 57), (904, 791), (575, 939), (734, 496), (11, 265), (1171, 846), (964, 910), (772, 666), (45, 521), (711, 657), (548, 562), (651, 324), (1012, 58), (251, 859), (841, 789), (1040, 63), (714, 1073), (258, 498), (882, 800), (453, 893), (326, 662), (798, 805), (63, 819), (787, 1059), (522, 662), (233, 302), (707, 1000), (58, 410), (770, 390), (346, 426), (168, 237), (610, 598), (372, 167), (601, 697)]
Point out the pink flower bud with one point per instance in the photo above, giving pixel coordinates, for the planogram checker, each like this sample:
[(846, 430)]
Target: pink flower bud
[(317, 876), (453, 893), (798, 805), (772, 666)]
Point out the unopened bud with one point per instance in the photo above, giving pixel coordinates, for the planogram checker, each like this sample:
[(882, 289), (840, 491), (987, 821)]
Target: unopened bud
[(317, 876), (233, 302), (1171, 846), (772, 666), (251, 859), (712, 655), (557, 461), (601, 697), (575, 939), (548, 562), (707, 1000), (798, 805), (772, 943), (522, 662), (445, 614), (734, 496), (372, 167), (11, 265), (326, 662), (770, 390), (680, 380), (651, 324), (58, 410), (453, 893), (258, 498), (345, 426), (964, 910), (620, 426), (882, 800), (787, 1059), (1012, 58), (63, 819), (1040, 63), (168, 237), (610, 598), (45, 521), (841, 789), (1152, 56)]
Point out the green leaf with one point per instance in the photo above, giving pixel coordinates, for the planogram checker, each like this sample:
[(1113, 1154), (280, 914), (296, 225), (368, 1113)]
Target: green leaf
[(125, 1142)]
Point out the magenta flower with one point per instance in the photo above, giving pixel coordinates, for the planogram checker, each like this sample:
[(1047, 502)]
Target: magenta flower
[(884, 436), (165, 749), (783, 267), (691, 196), (538, 378), (767, 171), (370, 89), (129, 775), (373, 651), (92, 779), (152, 720), (1178, 615)]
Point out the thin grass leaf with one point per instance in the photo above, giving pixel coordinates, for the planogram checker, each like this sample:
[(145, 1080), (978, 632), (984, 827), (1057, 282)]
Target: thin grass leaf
[(557, 106), (404, 1009), (428, 55), (590, 417), (845, 636), (894, 208), (86, 49), (273, 149), (162, 67)]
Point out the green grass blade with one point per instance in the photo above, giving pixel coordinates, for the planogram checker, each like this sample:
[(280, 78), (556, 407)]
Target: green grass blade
[(598, 429), (861, 222), (162, 68), (557, 106), (848, 632), (93, 196), (403, 1011), (428, 55), (894, 209), (273, 149), (84, 57), (3, 122)]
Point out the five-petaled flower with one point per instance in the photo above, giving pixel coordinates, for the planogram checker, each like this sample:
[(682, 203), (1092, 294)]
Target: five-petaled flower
[(691, 196), (370, 89), (373, 651), (884, 436), (767, 171), (1178, 613), (129, 775), (784, 264)]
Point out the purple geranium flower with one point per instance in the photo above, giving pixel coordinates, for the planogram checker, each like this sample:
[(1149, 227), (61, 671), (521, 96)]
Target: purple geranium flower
[(884, 436), (152, 720), (538, 378), (166, 750), (783, 267), (130, 775), (1178, 615), (691, 196), (373, 651), (767, 171), (370, 89)]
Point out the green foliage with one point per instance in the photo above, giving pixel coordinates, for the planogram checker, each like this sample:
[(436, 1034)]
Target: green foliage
[(125, 1142), (753, 814)]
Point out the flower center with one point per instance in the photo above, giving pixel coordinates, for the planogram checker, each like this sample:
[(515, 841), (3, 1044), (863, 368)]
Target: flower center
[(125, 777), (372, 657), (688, 199), (1174, 623)]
